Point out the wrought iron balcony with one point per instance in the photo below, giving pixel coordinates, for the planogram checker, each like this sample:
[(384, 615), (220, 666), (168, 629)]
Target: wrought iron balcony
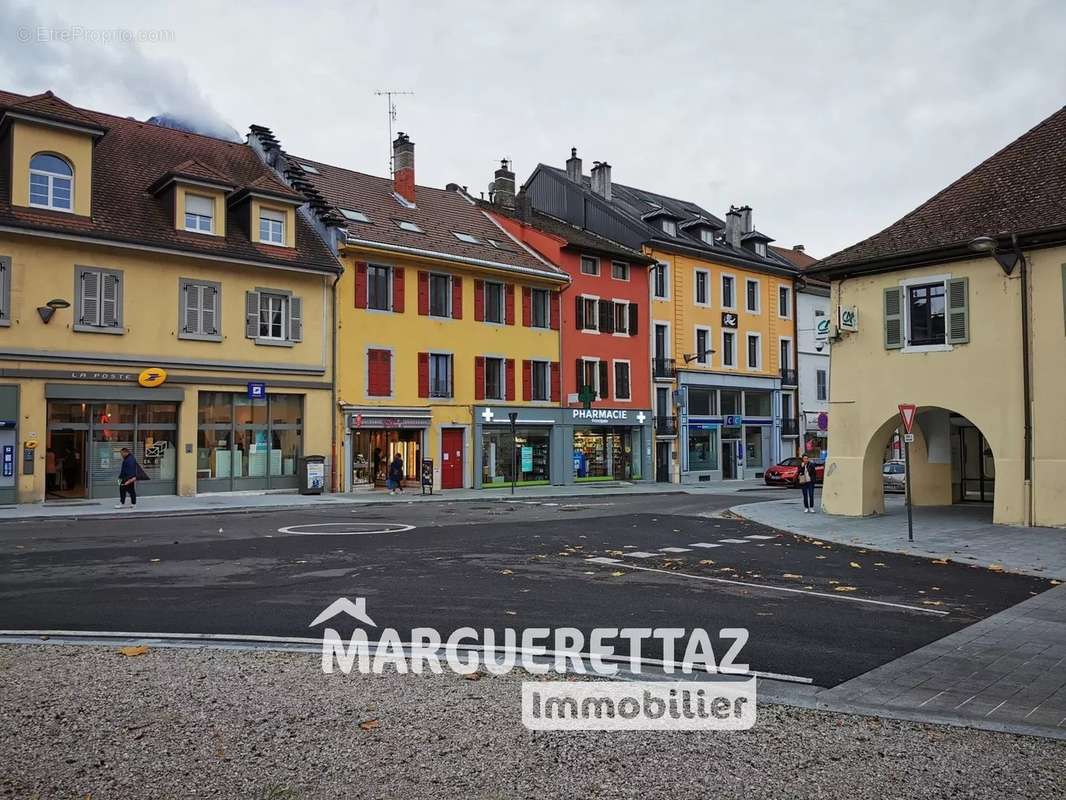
[(662, 368), (788, 377), (665, 426), (790, 427)]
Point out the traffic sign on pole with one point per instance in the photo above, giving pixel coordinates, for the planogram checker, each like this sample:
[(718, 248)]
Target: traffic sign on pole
[(906, 413)]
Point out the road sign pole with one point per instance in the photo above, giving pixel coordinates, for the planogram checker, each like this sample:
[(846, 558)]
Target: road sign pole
[(907, 478)]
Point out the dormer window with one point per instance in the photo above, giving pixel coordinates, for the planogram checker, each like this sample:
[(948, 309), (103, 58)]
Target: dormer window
[(51, 182), (670, 227), (760, 249), (707, 235), (199, 213), (271, 226)]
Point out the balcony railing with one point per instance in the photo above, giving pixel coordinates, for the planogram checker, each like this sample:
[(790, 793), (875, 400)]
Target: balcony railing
[(790, 427), (662, 367), (665, 426), (788, 377)]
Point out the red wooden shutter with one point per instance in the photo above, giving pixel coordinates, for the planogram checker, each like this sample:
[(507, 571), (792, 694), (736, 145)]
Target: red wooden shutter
[(509, 368), (457, 297), (556, 388), (554, 304), (360, 284), (527, 306), (527, 379), (423, 297), (509, 317), (479, 300), (397, 289), (423, 374), (479, 377), (379, 372)]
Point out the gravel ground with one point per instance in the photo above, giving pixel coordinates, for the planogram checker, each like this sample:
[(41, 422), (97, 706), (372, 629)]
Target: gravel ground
[(86, 722)]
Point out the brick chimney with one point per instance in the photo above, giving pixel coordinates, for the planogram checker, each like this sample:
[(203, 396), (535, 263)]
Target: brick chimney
[(601, 179), (733, 222), (502, 188), (573, 166), (403, 167)]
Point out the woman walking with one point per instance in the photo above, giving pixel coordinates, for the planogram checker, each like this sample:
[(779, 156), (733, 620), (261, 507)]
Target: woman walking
[(806, 482), (395, 480)]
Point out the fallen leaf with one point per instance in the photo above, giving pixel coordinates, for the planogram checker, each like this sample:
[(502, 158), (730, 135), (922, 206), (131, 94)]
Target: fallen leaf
[(154, 560), (706, 562), (935, 588), (940, 561), (369, 724), (472, 676), (791, 575), (506, 572), (1055, 583), (855, 564), (137, 650), (995, 567), (932, 602), (834, 582), (511, 613), (844, 589), (617, 573), (815, 541)]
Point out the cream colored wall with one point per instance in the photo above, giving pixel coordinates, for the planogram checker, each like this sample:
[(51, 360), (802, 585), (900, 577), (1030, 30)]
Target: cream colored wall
[(28, 140), (980, 380), (290, 221), (219, 199)]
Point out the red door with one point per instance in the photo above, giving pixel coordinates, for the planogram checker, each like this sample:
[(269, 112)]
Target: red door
[(451, 459)]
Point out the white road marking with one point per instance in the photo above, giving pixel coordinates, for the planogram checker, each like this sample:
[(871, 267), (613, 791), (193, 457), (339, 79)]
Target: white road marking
[(994, 710), (734, 541), (789, 590), (931, 699), (641, 554), (345, 528), (675, 549), (704, 544), (964, 702), (758, 536), (604, 560)]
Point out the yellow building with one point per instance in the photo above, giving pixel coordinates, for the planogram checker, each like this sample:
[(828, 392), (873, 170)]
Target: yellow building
[(440, 311), (721, 322), (160, 291), (958, 308)]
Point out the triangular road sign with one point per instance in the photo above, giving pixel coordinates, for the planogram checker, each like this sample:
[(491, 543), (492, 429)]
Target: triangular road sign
[(907, 412)]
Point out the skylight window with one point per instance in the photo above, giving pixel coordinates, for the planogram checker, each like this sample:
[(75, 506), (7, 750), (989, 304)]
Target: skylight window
[(308, 168), (354, 216), (497, 245), (408, 226), (466, 237)]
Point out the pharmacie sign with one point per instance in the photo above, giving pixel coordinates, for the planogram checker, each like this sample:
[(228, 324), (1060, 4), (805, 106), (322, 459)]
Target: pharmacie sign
[(601, 414)]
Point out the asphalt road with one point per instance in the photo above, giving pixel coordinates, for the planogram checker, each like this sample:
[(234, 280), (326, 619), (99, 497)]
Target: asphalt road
[(814, 610)]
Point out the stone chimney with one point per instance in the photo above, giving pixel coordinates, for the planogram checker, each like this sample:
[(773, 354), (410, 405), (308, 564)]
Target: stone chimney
[(601, 179), (573, 166), (732, 227), (799, 248), (745, 220), (403, 167), (502, 188)]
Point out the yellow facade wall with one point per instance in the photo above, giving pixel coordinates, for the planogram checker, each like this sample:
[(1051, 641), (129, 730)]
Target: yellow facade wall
[(28, 140)]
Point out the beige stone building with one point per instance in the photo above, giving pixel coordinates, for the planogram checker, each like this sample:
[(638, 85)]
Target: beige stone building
[(959, 308)]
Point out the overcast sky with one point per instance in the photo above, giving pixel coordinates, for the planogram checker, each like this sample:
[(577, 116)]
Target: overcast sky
[(830, 119)]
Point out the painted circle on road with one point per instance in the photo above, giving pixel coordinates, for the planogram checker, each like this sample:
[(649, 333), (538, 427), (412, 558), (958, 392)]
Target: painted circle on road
[(345, 528)]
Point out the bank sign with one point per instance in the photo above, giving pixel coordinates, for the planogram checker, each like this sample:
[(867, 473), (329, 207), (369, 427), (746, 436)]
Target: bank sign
[(608, 416)]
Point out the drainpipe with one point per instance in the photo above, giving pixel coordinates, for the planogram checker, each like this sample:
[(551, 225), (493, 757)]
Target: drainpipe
[(1026, 384), (334, 480)]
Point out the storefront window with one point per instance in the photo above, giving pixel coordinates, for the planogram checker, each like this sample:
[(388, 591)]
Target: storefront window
[(499, 457), (730, 400), (157, 452), (249, 412), (606, 453), (753, 446), (757, 404), (213, 456), (216, 408), (702, 449), (373, 450), (701, 402), (239, 438)]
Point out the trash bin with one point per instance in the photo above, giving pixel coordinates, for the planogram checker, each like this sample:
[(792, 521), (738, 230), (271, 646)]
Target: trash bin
[(312, 474)]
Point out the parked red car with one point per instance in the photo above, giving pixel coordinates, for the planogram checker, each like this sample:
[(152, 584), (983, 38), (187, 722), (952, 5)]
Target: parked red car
[(787, 473)]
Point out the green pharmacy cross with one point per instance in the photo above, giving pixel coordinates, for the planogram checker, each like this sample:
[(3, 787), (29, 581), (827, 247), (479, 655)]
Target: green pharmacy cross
[(586, 396)]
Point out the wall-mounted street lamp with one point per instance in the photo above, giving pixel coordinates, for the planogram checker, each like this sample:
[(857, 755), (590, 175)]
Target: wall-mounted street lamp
[(48, 310), (690, 357), (1007, 260)]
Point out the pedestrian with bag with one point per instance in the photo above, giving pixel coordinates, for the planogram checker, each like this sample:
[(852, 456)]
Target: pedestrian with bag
[(129, 473), (395, 479), (806, 482)]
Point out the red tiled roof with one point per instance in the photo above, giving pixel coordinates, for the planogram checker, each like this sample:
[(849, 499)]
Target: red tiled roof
[(797, 258), (128, 159), (439, 212), (1017, 190), (48, 106)]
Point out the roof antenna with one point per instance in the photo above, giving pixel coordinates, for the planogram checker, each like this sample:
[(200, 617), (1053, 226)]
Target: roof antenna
[(388, 94)]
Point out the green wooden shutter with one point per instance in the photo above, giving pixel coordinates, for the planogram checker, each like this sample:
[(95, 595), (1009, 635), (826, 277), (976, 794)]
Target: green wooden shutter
[(958, 327), (893, 318)]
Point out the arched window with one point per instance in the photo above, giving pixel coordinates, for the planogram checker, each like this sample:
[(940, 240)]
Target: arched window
[(51, 182)]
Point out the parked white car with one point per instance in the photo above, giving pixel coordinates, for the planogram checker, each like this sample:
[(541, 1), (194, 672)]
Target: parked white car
[(894, 476)]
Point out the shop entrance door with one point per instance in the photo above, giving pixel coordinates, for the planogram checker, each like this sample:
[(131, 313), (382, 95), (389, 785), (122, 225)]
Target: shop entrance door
[(729, 459), (662, 462), (451, 458), (65, 464)]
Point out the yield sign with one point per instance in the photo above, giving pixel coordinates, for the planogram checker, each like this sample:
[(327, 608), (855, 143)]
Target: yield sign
[(907, 412)]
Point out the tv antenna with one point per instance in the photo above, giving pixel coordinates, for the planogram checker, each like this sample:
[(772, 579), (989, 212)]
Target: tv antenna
[(388, 94)]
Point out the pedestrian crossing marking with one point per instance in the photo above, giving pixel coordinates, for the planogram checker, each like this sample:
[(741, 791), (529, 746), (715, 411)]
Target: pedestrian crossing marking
[(704, 544), (758, 536), (734, 541), (675, 549), (642, 554)]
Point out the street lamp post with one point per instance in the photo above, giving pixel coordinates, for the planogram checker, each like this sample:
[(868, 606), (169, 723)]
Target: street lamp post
[(513, 416)]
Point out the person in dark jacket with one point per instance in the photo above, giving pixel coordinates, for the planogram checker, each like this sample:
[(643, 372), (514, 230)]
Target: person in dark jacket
[(395, 481), (127, 479), (806, 482)]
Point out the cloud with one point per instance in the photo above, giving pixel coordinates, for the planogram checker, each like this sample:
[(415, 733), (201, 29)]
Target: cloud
[(97, 68)]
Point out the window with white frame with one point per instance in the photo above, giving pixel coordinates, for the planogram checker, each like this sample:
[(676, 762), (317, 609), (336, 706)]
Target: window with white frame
[(784, 302), (539, 307), (729, 349), (703, 345), (621, 317), (669, 227), (378, 287), (592, 373), (271, 226), (440, 375), (707, 235), (620, 270), (540, 375), (754, 351), (493, 302), (199, 213), (760, 249), (729, 288), (273, 316), (51, 182), (622, 390), (590, 314), (590, 265), (751, 294), (821, 378), (703, 287), (660, 280), (440, 295)]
